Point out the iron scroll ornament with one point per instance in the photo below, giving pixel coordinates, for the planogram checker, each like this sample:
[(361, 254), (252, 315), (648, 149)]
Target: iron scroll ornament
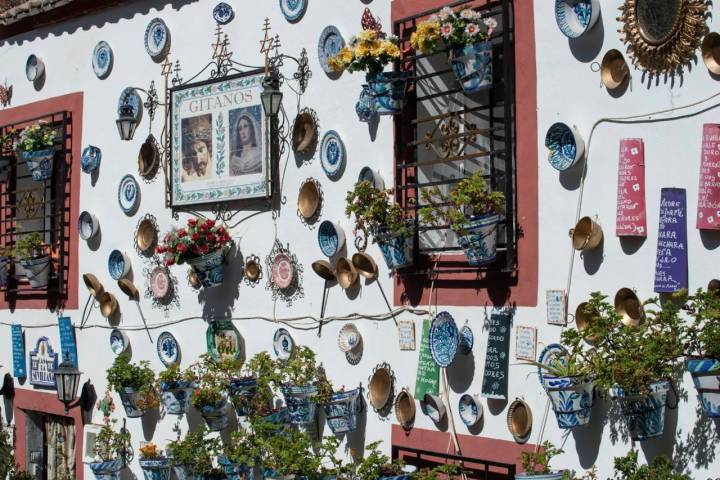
[(662, 35)]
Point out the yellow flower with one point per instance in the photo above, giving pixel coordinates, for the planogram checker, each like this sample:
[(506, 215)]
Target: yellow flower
[(335, 64), (367, 36), (346, 55), (391, 50), (363, 50), (425, 36), (377, 48)]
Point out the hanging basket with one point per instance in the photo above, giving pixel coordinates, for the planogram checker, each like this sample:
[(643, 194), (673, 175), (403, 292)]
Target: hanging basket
[(571, 398), (107, 470), (40, 163), (234, 471), (156, 469), (130, 399), (366, 106), (342, 409), (176, 396), (242, 391), (706, 377), (209, 268), (216, 416), (480, 239), (396, 249), (300, 403), (473, 66), (644, 414), (388, 88), (37, 271)]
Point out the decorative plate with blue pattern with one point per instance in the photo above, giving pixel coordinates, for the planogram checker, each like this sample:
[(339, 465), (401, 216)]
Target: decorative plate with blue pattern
[(168, 349), (329, 45), (130, 97), (129, 194), (575, 17), (157, 38), (102, 59), (552, 354), (466, 339), (444, 339), (223, 13), (332, 154), (293, 10), (283, 344)]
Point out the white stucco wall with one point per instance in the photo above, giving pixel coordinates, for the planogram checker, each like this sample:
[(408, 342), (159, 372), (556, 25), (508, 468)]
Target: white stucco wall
[(567, 91)]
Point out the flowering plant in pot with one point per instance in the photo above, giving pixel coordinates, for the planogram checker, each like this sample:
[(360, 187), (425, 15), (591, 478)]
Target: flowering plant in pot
[(246, 449), (466, 34), (536, 464), (371, 51), (703, 347), (33, 257), (289, 454), (193, 456), (7, 145), (303, 384), (135, 383), (154, 464), (202, 245), (378, 465), (661, 468), (376, 215), (176, 387), (110, 451), (472, 210), (251, 393), (36, 144), (211, 396)]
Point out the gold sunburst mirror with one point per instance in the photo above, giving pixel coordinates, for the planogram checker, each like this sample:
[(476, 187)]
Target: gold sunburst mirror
[(662, 35)]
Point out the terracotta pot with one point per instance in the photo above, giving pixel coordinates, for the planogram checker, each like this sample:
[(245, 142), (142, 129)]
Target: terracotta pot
[(586, 235)]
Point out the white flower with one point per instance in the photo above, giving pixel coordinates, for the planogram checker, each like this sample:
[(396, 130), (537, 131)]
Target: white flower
[(469, 14), (472, 29), (491, 23), (445, 12), (446, 30)]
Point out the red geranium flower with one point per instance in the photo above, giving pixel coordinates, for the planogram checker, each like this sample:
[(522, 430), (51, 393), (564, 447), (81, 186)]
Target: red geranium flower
[(181, 247), (210, 223), (211, 237), (169, 261), (182, 233), (195, 237), (192, 222)]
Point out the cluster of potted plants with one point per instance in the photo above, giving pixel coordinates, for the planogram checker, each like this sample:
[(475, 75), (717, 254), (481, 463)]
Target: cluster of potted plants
[(202, 244), (29, 259), (111, 451), (36, 145), (135, 383)]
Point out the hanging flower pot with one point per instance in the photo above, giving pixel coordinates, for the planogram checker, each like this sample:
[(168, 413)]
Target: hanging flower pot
[(706, 377), (571, 398), (209, 268), (176, 396), (157, 469), (644, 414), (388, 88), (479, 239), (242, 391), (278, 418), (133, 400), (342, 409), (234, 471), (107, 470), (216, 416), (366, 106), (396, 249), (473, 66), (37, 270), (40, 163), (300, 403)]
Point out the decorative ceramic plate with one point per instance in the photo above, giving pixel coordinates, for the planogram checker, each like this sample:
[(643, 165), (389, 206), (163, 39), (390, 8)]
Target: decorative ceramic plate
[(329, 45), (129, 194), (574, 18), (444, 339), (332, 154), (283, 344), (157, 38), (168, 349), (117, 265), (329, 238), (467, 339), (223, 13), (118, 342), (102, 59), (223, 340), (353, 357), (550, 355), (130, 97), (282, 270), (293, 10), (90, 158), (159, 283)]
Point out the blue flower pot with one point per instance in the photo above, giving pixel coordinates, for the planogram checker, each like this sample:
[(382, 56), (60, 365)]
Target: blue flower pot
[(209, 268), (156, 469), (242, 391), (234, 471), (571, 398), (644, 414), (473, 66), (300, 404), (576, 18), (279, 417), (341, 412), (396, 249), (107, 470), (366, 106), (216, 416), (388, 88), (706, 377), (176, 396), (129, 399), (480, 239), (565, 144), (37, 270), (40, 163)]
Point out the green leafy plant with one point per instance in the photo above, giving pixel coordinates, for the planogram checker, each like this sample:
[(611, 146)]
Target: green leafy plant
[(302, 369), (139, 377), (247, 445), (174, 374), (447, 471), (661, 468), (263, 369), (195, 452), (29, 246), (374, 211), (110, 444), (538, 462), (7, 139), (289, 452), (36, 137), (704, 332), (377, 464), (8, 468), (471, 196), (212, 381)]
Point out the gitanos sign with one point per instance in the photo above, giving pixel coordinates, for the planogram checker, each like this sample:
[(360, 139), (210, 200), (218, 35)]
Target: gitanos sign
[(43, 360)]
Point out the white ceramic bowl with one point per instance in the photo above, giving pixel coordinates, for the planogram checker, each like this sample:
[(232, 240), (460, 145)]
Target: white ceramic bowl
[(349, 338), (88, 225)]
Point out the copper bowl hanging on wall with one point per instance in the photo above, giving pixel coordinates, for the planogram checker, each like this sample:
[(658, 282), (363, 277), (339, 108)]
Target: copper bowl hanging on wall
[(108, 304), (380, 388), (405, 409), (711, 52), (346, 273), (128, 288), (324, 270), (309, 198), (586, 235), (613, 69), (584, 320), (148, 159), (519, 419), (365, 265), (93, 285), (146, 236), (305, 132), (629, 306)]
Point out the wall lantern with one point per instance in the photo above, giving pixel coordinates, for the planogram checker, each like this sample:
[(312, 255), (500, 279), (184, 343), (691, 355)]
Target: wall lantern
[(271, 96), (67, 380), (126, 122)]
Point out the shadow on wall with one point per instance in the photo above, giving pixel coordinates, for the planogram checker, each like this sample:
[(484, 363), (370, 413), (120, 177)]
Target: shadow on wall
[(697, 448), (587, 47), (218, 302), (589, 437)]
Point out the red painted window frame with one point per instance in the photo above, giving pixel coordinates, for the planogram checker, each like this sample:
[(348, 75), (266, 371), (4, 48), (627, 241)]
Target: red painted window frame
[(72, 103), (494, 288)]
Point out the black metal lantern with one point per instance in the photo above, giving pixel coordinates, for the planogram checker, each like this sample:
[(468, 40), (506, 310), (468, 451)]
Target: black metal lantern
[(271, 96), (126, 122), (67, 380)]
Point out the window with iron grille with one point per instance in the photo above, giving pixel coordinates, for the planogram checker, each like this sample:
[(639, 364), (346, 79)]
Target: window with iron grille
[(30, 206), (444, 135)]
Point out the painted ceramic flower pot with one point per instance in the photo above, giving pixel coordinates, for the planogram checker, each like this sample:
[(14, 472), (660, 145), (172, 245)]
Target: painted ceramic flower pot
[(37, 270), (279, 417), (176, 396), (366, 106), (644, 414), (216, 416), (571, 398), (129, 398), (234, 471), (480, 239), (565, 146), (341, 411), (209, 268), (107, 470), (388, 88), (40, 163), (156, 469), (706, 377), (545, 476), (396, 249), (473, 66), (242, 391), (574, 18), (300, 403), (5, 266), (5, 162)]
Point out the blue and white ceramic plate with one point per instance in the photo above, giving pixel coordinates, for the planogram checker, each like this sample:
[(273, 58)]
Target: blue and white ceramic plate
[(575, 17), (466, 339), (102, 59), (470, 409), (283, 344), (90, 159), (330, 237), (157, 38), (130, 97), (444, 339), (118, 341), (168, 349), (129, 194), (552, 354), (293, 10), (118, 264), (329, 45), (223, 13), (332, 154)]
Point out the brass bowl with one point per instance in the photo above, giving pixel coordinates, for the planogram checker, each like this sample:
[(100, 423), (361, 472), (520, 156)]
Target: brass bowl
[(304, 134), (308, 199), (583, 320), (324, 270), (714, 285), (379, 388), (711, 52), (146, 236), (586, 235), (193, 279), (365, 265), (128, 288), (613, 69), (252, 269), (346, 273), (405, 409), (629, 306), (148, 158), (519, 419), (108, 304), (93, 284)]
